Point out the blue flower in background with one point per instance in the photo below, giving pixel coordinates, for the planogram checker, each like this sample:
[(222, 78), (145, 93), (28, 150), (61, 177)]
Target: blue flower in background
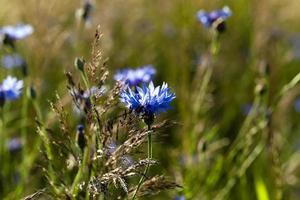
[(297, 105), (94, 91), (80, 138), (17, 32), (84, 13), (125, 159), (133, 77), (148, 100), (12, 61), (14, 144), (180, 197), (12, 88), (208, 18), (246, 108)]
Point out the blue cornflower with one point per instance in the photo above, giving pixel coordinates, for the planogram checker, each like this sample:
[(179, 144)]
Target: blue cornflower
[(12, 88), (246, 108), (134, 77), (12, 61), (297, 105), (14, 144), (10, 34), (125, 160), (17, 32), (148, 100), (208, 18), (180, 197), (84, 13), (95, 91)]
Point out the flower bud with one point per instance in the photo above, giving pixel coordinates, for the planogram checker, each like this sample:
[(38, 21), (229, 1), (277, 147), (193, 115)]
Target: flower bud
[(79, 64), (81, 141)]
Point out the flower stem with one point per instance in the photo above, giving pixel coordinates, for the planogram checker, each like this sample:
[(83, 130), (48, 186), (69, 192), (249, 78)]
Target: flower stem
[(147, 166), (82, 169)]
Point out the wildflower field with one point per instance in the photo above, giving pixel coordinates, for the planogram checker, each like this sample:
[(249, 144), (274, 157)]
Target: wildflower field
[(140, 99)]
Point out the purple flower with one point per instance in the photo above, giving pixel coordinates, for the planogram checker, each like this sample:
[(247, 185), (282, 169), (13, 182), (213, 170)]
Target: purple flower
[(148, 100), (12, 61), (134, 77), (11, 88), (208, 18)]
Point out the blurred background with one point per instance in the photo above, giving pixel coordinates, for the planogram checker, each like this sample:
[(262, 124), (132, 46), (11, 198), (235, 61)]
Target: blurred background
[(237, 132)]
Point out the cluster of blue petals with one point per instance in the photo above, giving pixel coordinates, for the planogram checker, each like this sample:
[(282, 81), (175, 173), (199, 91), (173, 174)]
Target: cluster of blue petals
[(148, 100), (11, 88), (17, 32), (208, 18), (11, 61), (180, 197), (134, 77), (14, 144)]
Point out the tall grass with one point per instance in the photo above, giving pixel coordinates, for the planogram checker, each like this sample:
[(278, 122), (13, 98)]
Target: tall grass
[(232, 132)]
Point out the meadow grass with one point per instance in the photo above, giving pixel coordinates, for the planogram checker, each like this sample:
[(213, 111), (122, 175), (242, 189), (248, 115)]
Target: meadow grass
[(232, 131)]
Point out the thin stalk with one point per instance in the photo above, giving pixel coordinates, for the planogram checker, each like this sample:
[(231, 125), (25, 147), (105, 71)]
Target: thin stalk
[(147, 166), (83, 169), (24, 167), (45, 139)]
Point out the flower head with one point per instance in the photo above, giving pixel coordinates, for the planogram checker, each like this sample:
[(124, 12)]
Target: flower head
[(84, 13), (297, 105), (180, 197), (148, 100), (94, 92), (17, 32), (209, 18), (134, 77), (126, 160), (12, 61), (12, 88), (14, 144)]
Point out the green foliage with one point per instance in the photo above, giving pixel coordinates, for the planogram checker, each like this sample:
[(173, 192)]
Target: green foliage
[(214, 148)]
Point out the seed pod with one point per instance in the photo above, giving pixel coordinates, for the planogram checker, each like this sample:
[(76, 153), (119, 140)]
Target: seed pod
[(79, 64)]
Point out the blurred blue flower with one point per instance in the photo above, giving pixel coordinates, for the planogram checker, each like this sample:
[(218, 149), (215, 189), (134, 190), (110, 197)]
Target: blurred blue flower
[(180, 197), (14, 144), (84, 13), (208, 18), (16, 32), (125, 159), (94, 92), (246, 108), (12, 61), (133, 77), (148, 100), (12, 88), (297, 105)]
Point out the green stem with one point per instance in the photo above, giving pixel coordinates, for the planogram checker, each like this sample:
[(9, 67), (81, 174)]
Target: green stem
[(147, 166), (85, 80), (82, 170)]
